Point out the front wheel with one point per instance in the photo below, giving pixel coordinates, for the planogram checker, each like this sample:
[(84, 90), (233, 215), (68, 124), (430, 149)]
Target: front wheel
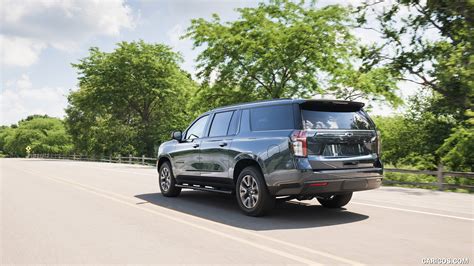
[(336, 201), (167, 181), (252, 193)]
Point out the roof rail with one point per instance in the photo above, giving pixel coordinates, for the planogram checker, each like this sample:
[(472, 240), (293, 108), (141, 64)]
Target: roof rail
[(259, 101)]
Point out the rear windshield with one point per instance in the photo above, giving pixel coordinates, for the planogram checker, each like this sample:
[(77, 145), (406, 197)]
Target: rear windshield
[(335, 120)]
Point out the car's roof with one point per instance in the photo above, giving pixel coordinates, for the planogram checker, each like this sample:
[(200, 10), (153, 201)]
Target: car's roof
[(283, 101)]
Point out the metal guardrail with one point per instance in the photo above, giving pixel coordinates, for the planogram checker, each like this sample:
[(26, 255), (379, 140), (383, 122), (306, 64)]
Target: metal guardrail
[(143, 160), (439, 173)]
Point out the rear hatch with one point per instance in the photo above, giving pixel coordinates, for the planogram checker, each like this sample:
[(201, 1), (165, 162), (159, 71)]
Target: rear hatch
[(339, 135)]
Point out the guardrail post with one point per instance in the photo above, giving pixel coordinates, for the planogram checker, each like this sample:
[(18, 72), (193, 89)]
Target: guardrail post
[(110, 158), (119, 158), (440, 176), (74, 156), (129, 158), (143, 159)]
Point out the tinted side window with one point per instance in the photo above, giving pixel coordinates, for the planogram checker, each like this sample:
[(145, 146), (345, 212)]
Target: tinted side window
[(234, 123), (220, 124), (272, 118), (197, 129)]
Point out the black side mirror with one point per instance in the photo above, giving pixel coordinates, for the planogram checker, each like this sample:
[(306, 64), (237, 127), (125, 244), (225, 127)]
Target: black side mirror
[(177, 135)]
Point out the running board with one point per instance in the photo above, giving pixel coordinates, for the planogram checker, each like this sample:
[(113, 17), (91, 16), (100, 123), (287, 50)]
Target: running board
[(210, 189)]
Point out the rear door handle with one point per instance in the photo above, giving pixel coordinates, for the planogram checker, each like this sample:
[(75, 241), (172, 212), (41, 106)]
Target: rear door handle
[(223, 144), (195, 145)]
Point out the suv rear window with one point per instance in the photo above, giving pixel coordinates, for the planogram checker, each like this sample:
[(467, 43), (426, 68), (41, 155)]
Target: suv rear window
[(335, 120), (274, 117)]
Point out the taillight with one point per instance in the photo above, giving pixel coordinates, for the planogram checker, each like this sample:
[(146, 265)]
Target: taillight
[(299, 144)]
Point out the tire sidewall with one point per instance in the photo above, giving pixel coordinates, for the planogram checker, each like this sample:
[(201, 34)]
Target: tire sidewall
[(263, 201), (337, 201), (171, 191)]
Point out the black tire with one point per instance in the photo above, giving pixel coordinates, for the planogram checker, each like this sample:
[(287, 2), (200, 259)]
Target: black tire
[(167, 187), (336, 201), (256, 200)]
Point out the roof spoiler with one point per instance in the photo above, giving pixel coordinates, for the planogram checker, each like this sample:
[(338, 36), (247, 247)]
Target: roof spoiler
[(332, 105)]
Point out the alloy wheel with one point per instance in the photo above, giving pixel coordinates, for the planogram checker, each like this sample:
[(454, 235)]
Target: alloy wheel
[(165, 178), (249, 192)]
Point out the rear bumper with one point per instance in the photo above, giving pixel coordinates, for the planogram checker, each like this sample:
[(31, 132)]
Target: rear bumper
[(343, 185), (330, 181)]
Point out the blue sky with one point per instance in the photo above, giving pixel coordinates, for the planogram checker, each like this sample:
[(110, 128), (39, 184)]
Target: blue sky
[(41, 38)]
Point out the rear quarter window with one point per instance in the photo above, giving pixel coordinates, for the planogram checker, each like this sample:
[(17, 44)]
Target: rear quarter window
[(276, 117)]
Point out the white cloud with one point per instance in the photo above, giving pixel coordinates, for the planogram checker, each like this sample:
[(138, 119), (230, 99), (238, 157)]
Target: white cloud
[(174, 35), (183, 46), (19, 98), (24, 82), (18, 51), (29, 26)]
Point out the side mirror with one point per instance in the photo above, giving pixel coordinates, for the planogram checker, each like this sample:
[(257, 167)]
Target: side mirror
[(177, 135)]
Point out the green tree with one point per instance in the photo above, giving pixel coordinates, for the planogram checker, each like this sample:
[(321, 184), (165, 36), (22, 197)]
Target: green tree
[(129, 100), (42, 133), (284, 49), (428, 43), (5, 133), (456, 150), (412, 139)]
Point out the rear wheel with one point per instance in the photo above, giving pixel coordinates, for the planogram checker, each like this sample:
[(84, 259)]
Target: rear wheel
[(252, 193), (167, 181), (336, 201)]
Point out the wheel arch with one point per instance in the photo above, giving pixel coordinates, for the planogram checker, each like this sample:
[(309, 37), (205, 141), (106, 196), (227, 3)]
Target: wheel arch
[(242, 164), (161, 161)]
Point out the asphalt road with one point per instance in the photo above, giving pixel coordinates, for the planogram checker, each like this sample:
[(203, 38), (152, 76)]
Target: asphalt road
[(83, 212)]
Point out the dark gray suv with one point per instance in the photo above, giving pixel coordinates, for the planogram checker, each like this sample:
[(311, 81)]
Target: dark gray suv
[(278, 149)]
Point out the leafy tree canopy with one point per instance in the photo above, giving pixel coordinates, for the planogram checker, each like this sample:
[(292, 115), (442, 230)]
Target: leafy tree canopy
[(423, 138), (285, 49), (426, 42), (129, 100), (456, 150), (42, 133)]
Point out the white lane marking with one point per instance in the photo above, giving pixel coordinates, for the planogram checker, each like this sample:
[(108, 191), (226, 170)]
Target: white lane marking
[(414, 211), (103, 193)]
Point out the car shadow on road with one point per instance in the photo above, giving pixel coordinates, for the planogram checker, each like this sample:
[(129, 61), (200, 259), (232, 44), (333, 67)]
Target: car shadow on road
[(223, 208)]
